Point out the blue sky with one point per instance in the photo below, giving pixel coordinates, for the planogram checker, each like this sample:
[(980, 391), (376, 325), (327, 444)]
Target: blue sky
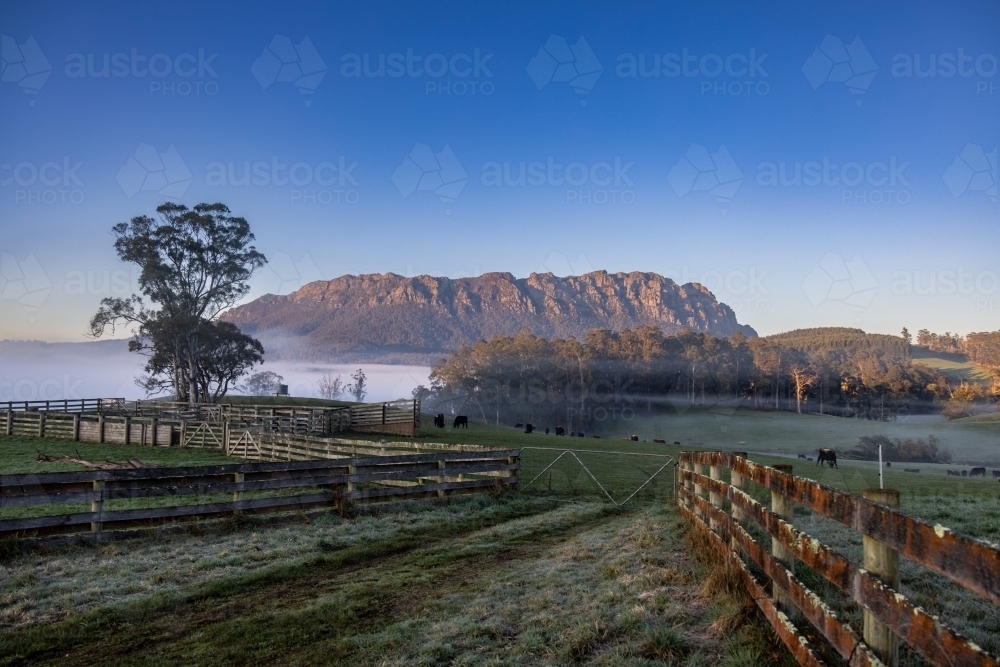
[(910, 239)]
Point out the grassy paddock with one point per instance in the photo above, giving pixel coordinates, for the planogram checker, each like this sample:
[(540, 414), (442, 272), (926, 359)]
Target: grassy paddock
[(480, 581), (18, 454)]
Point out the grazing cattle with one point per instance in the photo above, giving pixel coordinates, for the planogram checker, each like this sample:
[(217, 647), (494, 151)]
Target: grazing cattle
[(461, 420), (996, 474), (802, 456), (518, 425), (978, 472), (888, 464), (546, 430), (827, 455), (528, 428), (439, 420), (965, 473), (597, 436), (660, 442), (560, 430), (953, 473), (677, 442), (911, 469), (809, 458), (635, 438), (580, 434)]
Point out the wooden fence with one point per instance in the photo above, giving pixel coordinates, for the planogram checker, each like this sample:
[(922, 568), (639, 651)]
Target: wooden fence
[(197, 425), (317, 483), (887, 533), (260, 445)]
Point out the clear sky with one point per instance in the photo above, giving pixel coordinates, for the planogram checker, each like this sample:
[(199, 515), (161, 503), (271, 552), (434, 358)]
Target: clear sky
[(813, 165)]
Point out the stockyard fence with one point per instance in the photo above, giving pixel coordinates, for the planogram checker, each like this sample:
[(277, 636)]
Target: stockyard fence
[(115, 420), (723, 512), (291, 463), (274, 487)]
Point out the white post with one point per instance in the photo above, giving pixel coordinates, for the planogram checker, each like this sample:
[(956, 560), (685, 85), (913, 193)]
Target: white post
[(880, 485)]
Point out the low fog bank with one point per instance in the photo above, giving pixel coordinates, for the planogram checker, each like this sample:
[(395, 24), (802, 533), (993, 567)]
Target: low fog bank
[(32, 371)]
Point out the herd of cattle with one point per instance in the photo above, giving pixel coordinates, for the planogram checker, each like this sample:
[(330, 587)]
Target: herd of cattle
[(830, 456), (825, 455)]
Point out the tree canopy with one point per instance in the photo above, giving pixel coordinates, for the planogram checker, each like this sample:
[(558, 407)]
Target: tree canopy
[(194, 263)]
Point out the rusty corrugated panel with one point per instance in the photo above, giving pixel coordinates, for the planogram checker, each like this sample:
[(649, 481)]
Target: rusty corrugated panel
[(795, 642)]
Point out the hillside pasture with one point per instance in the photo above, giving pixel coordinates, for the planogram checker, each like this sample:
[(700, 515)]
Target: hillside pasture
[(957, 366)]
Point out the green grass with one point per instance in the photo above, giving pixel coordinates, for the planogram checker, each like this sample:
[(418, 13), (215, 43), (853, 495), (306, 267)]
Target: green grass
[(971, 440), (956, 366), (514, 580), (18, 455)]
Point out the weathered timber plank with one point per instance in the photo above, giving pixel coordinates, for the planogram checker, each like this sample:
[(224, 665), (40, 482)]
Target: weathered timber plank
[(796, 643), (973, 563), (923, 632)]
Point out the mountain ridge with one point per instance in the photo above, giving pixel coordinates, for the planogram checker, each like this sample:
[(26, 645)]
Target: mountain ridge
[(398, 319)]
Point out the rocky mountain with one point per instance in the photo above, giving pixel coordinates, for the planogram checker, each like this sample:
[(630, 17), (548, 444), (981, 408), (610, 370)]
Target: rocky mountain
[(395, 319)]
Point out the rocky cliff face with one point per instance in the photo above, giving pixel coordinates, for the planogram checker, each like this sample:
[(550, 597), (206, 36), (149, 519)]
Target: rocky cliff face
[(392, 318)]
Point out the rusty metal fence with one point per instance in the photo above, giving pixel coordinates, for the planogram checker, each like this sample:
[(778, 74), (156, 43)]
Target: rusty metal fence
[(724, 511)]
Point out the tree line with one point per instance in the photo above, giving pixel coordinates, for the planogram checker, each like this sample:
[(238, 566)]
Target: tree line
[(612, 375)]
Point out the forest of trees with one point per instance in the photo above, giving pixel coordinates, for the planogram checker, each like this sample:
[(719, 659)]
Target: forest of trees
[(607, 375)]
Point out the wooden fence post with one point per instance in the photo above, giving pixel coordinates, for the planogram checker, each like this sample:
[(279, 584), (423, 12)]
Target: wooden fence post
[(152, 439), (76, 427), (128, 430), (97, 506), (184, 428), (238, 495), (784, 508), (351, 486), (440, 478), (737, 482), (883, 562), (715, 472), (100, 427), (10, 419), (41, 424)]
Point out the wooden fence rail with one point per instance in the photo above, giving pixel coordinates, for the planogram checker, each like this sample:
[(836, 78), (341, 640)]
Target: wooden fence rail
[(887, 532), (162, 422), (324, 482)]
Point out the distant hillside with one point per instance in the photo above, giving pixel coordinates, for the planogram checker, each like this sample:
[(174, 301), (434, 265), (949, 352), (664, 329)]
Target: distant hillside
[(392, 318), (953, 364), (841, 338)]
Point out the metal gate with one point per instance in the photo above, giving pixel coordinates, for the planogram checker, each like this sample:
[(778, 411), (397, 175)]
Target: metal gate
[(636, 478)]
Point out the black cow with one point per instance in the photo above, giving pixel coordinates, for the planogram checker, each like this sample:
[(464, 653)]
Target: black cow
[(953, 473), (528, 428), (965, 473), (801, 456), (439, 420), (659, 441), (560, 430), (827, 455), (635, 438), (580, 434), (996, 474), (978, 472), (461, 420), (888, 464), (546, 430), (518, 425)]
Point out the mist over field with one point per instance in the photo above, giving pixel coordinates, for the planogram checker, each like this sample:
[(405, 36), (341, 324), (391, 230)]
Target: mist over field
[(31, 371)]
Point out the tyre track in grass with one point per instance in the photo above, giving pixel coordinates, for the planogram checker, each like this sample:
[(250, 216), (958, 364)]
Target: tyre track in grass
[(278, 609)]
